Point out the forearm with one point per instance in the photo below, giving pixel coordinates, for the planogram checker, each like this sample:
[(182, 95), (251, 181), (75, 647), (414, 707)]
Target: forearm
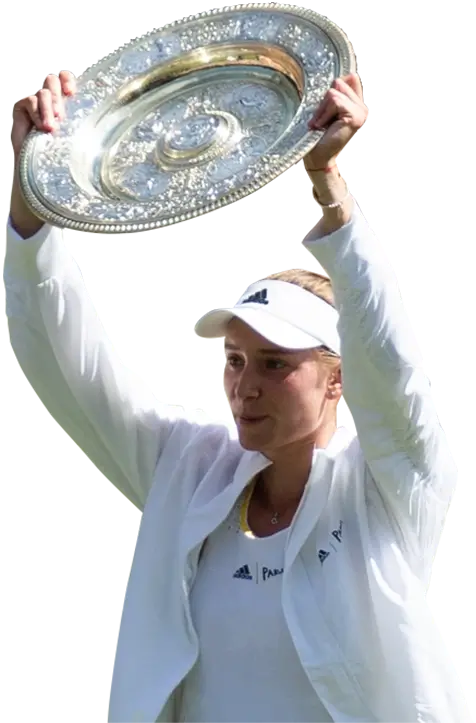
[(385, 386), (24, 222)]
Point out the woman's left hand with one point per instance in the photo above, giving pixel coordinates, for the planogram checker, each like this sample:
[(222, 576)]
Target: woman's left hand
[(341, 114)]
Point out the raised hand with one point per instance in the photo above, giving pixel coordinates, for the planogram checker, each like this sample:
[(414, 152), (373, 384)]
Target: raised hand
[(43, 109), (341, 114)]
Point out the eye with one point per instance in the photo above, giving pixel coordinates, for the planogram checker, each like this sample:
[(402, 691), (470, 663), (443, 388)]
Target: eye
[(275, 364), (234, 361)]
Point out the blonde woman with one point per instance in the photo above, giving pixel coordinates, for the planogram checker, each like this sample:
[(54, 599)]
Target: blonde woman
[(280, 573)]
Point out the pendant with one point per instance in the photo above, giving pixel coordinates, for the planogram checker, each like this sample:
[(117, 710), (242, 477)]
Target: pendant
[(274, 519)]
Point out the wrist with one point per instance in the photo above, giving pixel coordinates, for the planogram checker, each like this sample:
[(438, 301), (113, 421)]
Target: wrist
[(314, 164), (328, 185), (331, 193)]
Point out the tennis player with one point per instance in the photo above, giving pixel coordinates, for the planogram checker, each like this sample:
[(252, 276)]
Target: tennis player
[(281, 567)]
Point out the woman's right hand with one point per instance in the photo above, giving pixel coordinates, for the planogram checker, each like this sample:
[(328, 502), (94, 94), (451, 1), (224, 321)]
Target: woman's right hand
[(42, 111)]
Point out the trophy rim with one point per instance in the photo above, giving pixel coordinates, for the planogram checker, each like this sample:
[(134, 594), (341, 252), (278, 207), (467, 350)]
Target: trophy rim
[(347, 64)]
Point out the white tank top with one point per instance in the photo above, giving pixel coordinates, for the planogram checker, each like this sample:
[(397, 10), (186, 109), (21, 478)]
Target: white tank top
[(248, 668)]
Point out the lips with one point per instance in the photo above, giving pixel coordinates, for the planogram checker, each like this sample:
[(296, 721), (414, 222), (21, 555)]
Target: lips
[(242, 419)]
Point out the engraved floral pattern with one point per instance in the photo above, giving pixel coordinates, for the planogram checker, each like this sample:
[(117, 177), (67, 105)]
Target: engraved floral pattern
[(144, 181), (267, 28), (149, 54), (262, 129)]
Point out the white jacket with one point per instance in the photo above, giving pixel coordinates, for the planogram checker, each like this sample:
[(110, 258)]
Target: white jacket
[(358, 615)]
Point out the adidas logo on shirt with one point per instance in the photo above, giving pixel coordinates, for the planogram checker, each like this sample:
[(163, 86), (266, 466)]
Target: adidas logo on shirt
[(243, 573)]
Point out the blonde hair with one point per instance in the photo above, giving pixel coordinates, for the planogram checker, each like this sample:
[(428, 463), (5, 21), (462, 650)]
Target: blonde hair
[(320, 286)]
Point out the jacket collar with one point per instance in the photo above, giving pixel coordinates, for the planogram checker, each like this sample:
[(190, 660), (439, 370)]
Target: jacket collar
[(312, 504), (315, 494), (201, 520)]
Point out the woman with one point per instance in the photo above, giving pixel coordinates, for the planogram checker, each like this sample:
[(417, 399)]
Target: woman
[(281, 575)]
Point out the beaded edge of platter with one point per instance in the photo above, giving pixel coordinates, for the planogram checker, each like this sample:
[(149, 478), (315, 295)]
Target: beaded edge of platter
[(347, 64)]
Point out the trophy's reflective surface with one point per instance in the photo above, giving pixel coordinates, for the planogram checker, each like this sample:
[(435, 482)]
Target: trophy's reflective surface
[(186, 119)]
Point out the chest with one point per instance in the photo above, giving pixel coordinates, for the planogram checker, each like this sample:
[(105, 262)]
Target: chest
[(247, 596), (235, 600), (245, 569)]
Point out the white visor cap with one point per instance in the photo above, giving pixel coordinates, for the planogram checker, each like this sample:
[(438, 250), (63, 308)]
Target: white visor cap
[(281, 312)]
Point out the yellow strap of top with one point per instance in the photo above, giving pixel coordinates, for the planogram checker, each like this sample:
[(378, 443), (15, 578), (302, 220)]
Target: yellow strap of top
[(244, 527)]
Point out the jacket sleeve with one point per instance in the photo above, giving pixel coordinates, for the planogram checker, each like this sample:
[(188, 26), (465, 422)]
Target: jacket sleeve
[(385, 386), (70, 363)]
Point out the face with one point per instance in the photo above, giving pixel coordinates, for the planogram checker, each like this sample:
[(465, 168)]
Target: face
[(278, 397)]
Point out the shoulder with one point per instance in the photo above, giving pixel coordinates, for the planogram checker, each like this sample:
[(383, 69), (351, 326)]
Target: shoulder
[(202, 443)]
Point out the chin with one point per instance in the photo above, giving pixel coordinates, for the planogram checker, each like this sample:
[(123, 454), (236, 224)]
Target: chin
[(250, 442), (249, 445)]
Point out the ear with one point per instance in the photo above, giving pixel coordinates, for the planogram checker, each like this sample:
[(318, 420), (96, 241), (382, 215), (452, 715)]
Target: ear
[(334, 385)]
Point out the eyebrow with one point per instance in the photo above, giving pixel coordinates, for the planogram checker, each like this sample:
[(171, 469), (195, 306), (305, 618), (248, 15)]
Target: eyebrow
[(278, 350)]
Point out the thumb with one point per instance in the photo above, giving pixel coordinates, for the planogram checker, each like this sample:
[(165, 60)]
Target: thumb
[(22, 125)]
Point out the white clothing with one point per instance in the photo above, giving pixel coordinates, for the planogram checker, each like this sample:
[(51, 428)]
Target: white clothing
[(248, 668), (356, 611)]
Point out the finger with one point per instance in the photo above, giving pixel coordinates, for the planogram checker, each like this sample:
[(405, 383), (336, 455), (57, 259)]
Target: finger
[(336, 103), (322, 110), (344, 87), (26, 110), (68, 82), (324, 115), (53, 84), (45, 107), (353, 80), (333, 97)]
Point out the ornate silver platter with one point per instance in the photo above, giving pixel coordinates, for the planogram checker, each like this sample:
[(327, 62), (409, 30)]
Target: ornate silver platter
[(185, 119)]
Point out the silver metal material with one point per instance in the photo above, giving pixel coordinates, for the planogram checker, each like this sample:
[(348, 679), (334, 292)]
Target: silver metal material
[(185, 119)]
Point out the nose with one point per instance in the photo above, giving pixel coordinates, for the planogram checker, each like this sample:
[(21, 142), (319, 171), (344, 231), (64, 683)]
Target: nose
[(247, 384)]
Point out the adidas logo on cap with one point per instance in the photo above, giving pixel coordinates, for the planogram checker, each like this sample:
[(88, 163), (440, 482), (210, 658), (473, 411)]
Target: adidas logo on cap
[(260, 297)]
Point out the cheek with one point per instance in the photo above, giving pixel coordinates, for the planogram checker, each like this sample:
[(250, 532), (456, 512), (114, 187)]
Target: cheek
[(301, 396), (286, 398), (227, 382)]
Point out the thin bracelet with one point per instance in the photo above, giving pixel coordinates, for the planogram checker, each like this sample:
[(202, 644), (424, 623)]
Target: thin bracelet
[(327, 169), (337, 204)]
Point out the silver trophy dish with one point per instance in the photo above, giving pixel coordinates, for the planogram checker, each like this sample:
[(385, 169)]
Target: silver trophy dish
[(186, 119)]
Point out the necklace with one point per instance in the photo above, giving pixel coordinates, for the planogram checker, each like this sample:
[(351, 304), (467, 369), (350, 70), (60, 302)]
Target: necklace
[(275, 516), (244, 509)]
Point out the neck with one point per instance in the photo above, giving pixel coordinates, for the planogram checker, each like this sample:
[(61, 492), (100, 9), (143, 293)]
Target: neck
[(281, 484)]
